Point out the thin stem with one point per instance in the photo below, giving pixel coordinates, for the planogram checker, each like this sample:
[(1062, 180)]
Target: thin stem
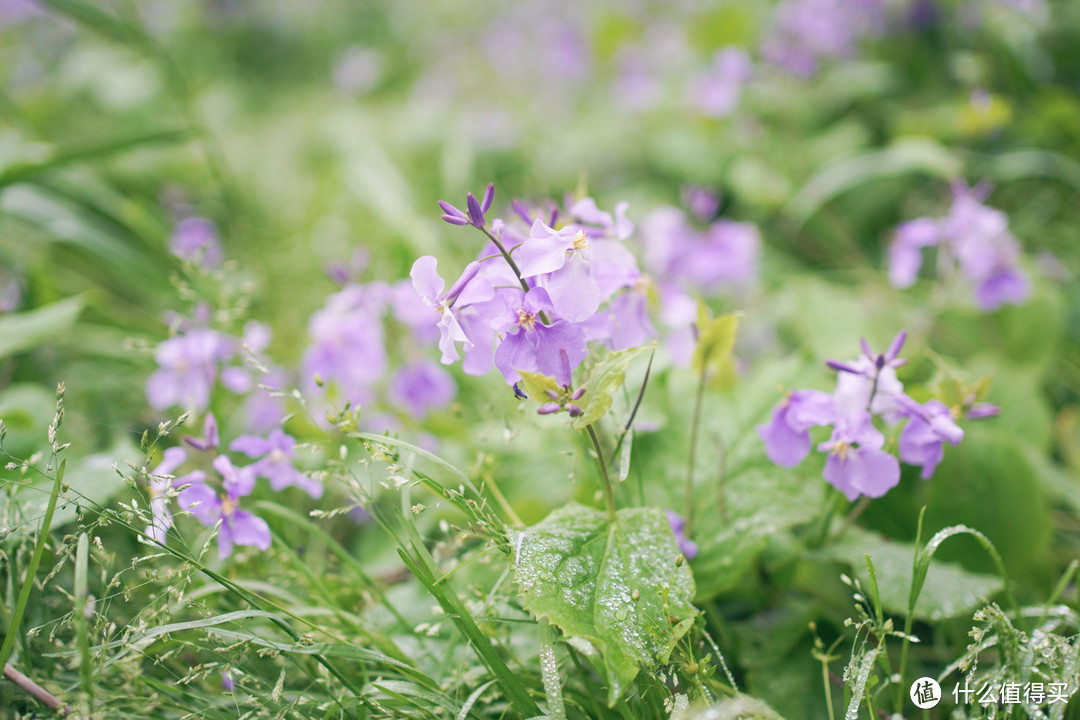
[(506, 254), (852, 516), (691, 455), (637, 404), (609, 491)]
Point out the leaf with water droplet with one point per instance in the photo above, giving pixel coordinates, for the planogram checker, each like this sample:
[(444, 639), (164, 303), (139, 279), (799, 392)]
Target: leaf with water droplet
[(580, 570)]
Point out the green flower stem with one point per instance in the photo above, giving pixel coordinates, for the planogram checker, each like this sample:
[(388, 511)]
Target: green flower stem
[(609, 491), (691, 455)]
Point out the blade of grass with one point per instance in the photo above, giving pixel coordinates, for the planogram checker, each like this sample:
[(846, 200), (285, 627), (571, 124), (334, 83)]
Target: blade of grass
[(82, 625), (31, 571)]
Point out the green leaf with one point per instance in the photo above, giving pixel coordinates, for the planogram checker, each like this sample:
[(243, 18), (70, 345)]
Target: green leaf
[(23, 331), (905, 156), (537, 385), (713, 351), (948, 589), (606, 377), (616, 586)]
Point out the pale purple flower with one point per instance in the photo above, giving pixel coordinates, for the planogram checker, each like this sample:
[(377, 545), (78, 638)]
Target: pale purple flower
[(870, 383), (929, 427), (716, 91), (905, 253), (189, 365), (160, 482), (358, 70), (563, 255), (974, 238), (787, 435), (195, 239), (274, 456), (470, 288), (532, 345), (856, 464), (348, 347), (803, 33), (238, 527), (687, 547), (211, 438), (420, 388)]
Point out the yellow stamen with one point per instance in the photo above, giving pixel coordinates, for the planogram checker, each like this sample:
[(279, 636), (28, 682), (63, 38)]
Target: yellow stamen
[(526, 319), (228, 506), (580, 243)]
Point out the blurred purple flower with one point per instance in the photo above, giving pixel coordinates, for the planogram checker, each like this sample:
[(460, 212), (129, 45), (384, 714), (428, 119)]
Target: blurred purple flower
[(160, 483), (922, 440), (196, 240), (687, 547), (803, 33), (421, 387), (716, 91), (348, 347), (189, 365), (274, 461)]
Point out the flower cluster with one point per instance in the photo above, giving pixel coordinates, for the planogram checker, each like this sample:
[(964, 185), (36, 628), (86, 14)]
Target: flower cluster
[(867, 387), (803, 33), (212, 491), (350, 352), (545, 284), (972, 237)]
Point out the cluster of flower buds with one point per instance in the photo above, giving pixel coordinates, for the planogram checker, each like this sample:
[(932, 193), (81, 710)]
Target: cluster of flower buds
[(867, 387), (972, 237)]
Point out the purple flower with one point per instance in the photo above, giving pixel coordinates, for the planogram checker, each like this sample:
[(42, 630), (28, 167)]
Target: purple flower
[(470, 287), (195, 239), (420, 388), (928, 428), (189, 366), (160, 483), (857, 465), (717, 90), (476, 209), (870, 383), (210, 440), (805, 32), (532, 345), (274, 461), (238, 527), (348, 346), (563, 255), (687, 547), (905, 253), (787, 436), (972, 237)]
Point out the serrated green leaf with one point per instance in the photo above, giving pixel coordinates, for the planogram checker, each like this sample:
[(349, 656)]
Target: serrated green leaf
[(537, 385), (715, 343), (614, 585), (606, 377)]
